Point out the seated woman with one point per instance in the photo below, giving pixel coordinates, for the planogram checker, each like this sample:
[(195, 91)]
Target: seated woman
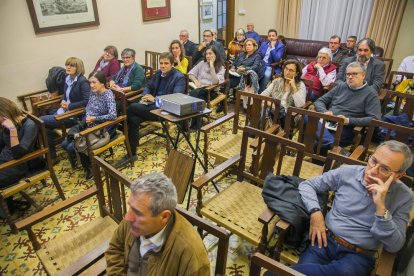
[(236, 45), (271, 51), (180, 61), (76, 94), (322, 72), (247, 61), (101, 107), (108, 63), (289, 89), (205, 73), (18, 135)]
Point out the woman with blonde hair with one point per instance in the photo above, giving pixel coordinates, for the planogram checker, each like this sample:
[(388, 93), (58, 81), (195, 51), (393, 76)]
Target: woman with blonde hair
[(18, 135), (180, 61)]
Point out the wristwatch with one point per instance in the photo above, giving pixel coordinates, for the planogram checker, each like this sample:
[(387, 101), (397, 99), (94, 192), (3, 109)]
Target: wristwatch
[(386, 216), (314, 210)]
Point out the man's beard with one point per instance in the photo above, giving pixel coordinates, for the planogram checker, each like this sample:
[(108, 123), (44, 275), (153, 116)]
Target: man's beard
[(362, 59)]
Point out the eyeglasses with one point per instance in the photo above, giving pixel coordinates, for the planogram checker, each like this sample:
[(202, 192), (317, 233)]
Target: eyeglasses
[(71, 65), (363, 50), (290, 70), (354, 74), (382, 169), (331, 42), (182, 35), (207, 35), (126, 57), (350, 40)]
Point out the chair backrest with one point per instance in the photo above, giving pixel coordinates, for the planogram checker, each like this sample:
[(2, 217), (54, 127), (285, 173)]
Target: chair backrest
[(222, 235), (259, 261), (396, 77), (152, 59), (388, 65), (256, 117), (404, 103), (307, 125), (149, 72), (190, 63), (309, 87), (178, 167)]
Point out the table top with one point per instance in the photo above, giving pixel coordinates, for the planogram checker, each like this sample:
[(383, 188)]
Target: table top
[(174, 118)]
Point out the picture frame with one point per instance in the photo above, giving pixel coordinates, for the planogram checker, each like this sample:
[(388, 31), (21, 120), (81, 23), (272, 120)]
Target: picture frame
[(207, 12), (155, 9), (52, 16)]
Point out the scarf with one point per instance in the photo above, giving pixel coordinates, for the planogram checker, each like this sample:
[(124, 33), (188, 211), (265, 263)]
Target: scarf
[(122, 77)]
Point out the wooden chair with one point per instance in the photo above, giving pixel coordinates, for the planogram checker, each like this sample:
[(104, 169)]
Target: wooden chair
[(152, 59), (27, 181), (240, 207), (149, 72), (402, 103), (190, 63), (230, 145), (36, 98), (388, 65), (260, 263), (392, 80), (82, 250)]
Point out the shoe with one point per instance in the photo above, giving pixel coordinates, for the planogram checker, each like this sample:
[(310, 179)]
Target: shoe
[(73, 161), (88, 173), (124, 161), (220, 108)]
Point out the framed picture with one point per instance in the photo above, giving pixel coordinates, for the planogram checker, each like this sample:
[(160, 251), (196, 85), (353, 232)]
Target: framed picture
[(207, 12), (155, 9), (57, 15)]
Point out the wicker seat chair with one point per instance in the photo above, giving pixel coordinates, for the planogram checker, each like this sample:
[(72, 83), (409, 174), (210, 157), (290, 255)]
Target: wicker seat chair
[(393, 81), (82, 250), (30, 180), (229, 146), (240, 208)]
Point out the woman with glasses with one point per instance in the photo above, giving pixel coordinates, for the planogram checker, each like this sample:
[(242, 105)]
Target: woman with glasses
[(108, 63), (289, 88), (76, 94), (321, 71)]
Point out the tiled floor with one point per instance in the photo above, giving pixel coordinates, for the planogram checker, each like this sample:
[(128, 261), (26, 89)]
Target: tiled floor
[(16, 254)]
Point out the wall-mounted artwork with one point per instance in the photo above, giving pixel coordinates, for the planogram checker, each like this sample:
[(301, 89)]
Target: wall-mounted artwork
[(155, 9), (207, 12), (58, 15)]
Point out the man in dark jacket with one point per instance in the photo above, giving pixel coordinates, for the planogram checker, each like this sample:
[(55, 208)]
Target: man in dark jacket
[(189, 46), (167, 80), (200, 52)]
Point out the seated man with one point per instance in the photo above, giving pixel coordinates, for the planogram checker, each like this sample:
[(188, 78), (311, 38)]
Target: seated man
[(350, 45), (251, 33), (153, 238), (189, 46), (337, 52), (375, 68), (200, 52), (167, 80), (371, 208), (354, 100)]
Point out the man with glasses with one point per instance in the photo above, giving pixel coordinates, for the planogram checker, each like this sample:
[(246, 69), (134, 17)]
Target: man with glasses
[(189, 46), (337, 52), (375, 68), (200, 52), (371, 208), (350, 45), (354, 100)]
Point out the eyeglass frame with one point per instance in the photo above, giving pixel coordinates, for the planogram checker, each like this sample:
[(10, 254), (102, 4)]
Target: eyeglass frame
[(381, 166)]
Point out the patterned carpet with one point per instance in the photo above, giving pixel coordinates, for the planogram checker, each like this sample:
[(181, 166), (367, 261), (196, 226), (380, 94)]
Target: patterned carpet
[(16, 254)]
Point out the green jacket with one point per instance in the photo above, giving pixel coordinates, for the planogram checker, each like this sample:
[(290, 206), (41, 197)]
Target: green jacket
[(182, 254)]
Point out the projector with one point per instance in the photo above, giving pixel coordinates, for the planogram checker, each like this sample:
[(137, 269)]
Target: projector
[(180, 104)]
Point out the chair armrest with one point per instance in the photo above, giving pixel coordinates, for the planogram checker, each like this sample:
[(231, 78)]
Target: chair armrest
[(272, 130), (385, 263), (133, 98), (51, 211), (132, 93), (358, 152), (211, 175), (266, 216), (103, 125), (282, 225), (217, 122), (24, 159), (70, 114), (259, 260)]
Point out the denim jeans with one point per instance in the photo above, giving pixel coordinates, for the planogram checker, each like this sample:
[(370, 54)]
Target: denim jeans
[(266, 78), (50, 124), (334, 260)]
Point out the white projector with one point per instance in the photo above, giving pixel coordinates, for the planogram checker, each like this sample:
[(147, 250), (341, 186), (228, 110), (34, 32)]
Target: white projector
[(180, 104)]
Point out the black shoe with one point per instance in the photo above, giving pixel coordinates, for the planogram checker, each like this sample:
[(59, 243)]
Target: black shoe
[(124, 161), (88, 173)]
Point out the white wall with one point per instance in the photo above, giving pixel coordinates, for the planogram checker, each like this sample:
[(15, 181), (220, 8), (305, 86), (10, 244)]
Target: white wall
[(26, 57), (262, 13), (207, 24), (405, 42)]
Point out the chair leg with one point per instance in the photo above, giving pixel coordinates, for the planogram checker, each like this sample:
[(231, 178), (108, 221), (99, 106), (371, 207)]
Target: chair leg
[(56, 183), (31, 201), (5, 209)]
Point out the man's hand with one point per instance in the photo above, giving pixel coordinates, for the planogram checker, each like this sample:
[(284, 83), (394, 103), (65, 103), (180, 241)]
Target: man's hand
[(64, 105), (328, 113), (241, 69), (148, 98), (273, 43), (378, 190), (202, 45), (318, 229), (346, 120)]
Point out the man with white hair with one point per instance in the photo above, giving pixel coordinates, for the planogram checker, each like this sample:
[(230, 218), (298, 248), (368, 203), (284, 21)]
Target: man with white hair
[(153, 238), (371, 208), (189, 46)]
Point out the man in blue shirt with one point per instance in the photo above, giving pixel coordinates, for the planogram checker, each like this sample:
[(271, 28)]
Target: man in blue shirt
[(167, 80), (371, 208), (251, 33)]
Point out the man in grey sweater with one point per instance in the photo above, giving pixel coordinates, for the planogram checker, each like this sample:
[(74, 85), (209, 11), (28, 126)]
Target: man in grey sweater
[(354, 101)]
